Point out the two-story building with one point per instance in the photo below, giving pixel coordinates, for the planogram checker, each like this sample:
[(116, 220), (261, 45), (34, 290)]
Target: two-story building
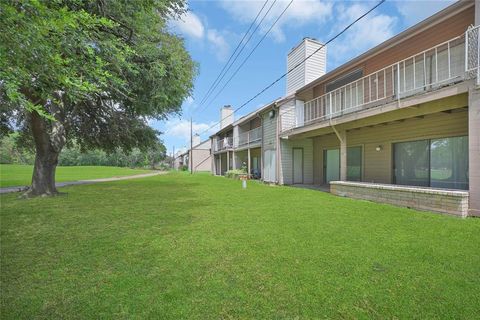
[(398, 124)]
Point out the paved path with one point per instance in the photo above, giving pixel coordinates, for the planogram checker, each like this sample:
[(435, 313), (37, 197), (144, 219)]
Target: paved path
[(73, 183)]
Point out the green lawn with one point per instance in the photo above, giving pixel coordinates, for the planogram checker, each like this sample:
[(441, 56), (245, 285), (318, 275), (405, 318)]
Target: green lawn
[(21, 175), (180, 246)]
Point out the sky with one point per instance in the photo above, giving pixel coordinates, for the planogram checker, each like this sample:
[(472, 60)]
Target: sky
[(212, 30)]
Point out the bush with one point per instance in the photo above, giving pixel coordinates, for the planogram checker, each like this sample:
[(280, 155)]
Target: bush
[(234, 174)]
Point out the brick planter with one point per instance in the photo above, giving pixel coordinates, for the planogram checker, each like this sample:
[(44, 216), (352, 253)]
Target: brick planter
[(453, 202)]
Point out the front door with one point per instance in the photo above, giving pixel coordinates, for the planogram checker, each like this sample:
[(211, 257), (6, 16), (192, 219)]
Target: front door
[(332, 165), (297, 165)]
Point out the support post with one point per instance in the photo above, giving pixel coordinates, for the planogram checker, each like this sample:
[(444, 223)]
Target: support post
[(220, 160), (228, 160), (248, 164), (343, 156), (342, 137), (234, 162), (474, 151)]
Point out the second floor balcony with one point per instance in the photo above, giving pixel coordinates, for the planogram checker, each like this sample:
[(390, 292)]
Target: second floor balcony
[(221, 144), (242, 140), (248, 138), (452, 61)]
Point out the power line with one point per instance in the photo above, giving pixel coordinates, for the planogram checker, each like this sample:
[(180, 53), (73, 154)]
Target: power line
[(238, 54), (250, 54), (299, 64), (231, 56)]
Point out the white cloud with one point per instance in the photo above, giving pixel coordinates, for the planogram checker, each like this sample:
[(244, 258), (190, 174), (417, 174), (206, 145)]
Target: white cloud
[(180, 128), (365, 34), (415, 11), (190, 25), (220, 45), (299, 13)]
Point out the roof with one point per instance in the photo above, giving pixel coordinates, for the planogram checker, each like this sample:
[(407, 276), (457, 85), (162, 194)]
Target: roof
[(404, 35)]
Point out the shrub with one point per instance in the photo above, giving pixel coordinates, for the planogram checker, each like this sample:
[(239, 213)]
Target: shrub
[(235, 174)]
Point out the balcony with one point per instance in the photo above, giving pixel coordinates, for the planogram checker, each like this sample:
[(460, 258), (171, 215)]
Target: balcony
[(248, 138), (452, 61), (223, 144)]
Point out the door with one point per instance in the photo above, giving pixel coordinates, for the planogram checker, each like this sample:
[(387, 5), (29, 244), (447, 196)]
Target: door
[(269, 166), (297, 165), (332, 165)]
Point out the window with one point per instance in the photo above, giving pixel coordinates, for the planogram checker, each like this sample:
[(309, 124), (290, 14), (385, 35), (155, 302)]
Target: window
[(354, 163), (411, 163), (449, 163), (440, 163)]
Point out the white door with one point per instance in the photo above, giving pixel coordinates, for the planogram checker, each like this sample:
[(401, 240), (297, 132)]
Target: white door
[(297, 165), (332, 165), (269, 166)]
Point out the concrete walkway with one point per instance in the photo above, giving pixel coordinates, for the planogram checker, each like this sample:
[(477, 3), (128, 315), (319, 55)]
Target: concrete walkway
[(74, 183)]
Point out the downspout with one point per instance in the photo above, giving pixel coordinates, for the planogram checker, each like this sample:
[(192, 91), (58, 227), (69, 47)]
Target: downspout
[(335, 130)]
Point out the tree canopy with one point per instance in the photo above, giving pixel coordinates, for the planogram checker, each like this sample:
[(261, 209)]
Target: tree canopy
[(90, 71)]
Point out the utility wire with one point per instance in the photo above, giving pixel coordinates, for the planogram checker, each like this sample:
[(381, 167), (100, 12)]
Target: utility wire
[(238, 54), (296, 66), (250, 54), (235, 51)]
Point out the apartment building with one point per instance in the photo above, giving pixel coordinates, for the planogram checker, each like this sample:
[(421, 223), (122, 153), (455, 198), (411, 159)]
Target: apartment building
[(198, 157), (398, 124)]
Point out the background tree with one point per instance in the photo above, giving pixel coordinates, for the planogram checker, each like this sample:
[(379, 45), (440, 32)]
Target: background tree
[(92, 71)]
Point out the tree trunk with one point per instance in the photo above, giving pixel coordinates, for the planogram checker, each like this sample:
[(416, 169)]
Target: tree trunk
[(49, 137)]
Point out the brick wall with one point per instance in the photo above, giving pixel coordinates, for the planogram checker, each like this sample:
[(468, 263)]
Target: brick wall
[(453, 202)]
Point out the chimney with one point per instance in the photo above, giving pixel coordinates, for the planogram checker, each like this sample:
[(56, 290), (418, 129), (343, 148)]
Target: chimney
[(196, 140), (226, 116), (309, 70)]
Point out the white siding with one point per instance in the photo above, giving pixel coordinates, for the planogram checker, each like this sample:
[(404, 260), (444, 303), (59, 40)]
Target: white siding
[(316, 66), (286, 167), (309, 70), (287, 115), (296, 78)]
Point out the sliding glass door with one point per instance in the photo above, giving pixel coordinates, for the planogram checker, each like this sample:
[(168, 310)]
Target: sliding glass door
[(440, 163), (449, 163)]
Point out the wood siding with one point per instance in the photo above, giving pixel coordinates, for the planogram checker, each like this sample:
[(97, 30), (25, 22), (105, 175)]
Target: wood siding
[(286, 168), (436, 34), (377, 165), (269, 137)]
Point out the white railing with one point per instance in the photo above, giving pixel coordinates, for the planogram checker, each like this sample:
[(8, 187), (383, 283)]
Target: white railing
[(445, 63), (249, 137), (472, 53), (223, 143)]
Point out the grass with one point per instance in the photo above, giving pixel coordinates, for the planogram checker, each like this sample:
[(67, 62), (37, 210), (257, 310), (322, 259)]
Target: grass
[(21, 175), (180, 246)]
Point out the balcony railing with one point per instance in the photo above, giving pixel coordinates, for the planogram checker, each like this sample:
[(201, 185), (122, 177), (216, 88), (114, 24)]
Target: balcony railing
[(224, 144), (448, 62), (249, 137)]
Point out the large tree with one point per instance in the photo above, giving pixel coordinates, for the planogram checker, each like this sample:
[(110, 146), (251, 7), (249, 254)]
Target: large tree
[(92, 71)]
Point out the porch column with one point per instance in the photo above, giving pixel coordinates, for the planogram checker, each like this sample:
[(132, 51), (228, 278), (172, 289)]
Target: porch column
[(474, 150), (213, 165), (228, 160), (342, 135), (248, 161), (234, 162), (220, 160)]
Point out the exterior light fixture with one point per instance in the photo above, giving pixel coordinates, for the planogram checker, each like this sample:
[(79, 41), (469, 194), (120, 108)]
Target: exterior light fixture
[(378, 148)]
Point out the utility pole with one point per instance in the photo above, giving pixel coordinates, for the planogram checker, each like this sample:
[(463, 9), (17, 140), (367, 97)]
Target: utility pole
[(191, 145)]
